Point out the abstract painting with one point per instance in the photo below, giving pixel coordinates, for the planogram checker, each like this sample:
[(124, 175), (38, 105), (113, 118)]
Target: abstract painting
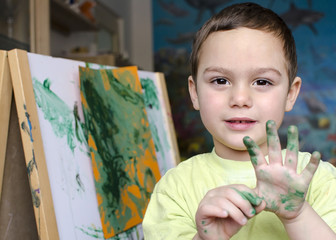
[(121, 145)]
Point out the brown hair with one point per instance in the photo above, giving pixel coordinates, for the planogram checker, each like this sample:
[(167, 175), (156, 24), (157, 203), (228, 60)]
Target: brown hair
[(249, 15)]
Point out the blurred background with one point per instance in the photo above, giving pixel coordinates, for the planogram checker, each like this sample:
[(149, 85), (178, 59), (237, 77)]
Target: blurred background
[(313, 24)]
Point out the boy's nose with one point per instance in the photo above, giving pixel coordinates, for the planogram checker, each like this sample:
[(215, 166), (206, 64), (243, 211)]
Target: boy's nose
[(240, 97)]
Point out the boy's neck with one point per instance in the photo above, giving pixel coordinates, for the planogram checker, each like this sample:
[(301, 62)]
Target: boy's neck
[(232, 154)]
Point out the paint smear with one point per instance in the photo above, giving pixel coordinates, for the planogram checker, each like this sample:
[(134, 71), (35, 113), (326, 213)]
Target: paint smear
[(155, 119), (121, 146), (64, 121)]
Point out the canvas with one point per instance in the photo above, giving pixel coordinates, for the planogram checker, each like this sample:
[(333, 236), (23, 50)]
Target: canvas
[(160, 119), (121, 145)]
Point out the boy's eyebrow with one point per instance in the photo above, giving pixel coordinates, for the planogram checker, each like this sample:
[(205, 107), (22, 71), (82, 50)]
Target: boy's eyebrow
[(268, 69), (254, 71)]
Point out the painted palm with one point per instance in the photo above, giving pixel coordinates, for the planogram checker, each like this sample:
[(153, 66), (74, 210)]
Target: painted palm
[(121, 146)]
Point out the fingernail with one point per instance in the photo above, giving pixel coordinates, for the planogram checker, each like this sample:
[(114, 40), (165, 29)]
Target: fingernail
[(316, 155), (244, 221), (253, 212)]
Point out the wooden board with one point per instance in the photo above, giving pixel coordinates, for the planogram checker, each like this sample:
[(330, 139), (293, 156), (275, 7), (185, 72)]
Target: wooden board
[(32, 145), (5, 104)]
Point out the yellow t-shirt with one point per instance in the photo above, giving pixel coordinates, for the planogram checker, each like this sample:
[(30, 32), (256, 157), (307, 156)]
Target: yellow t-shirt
[(174, 202)]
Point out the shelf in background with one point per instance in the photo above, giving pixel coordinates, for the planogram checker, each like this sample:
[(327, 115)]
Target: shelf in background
[(66, 20), (7, 43)]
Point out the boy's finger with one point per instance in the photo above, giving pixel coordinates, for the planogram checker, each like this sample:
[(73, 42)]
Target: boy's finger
[(273, 142), (292, 147), (312, 166), (254, 151), (250, 196)]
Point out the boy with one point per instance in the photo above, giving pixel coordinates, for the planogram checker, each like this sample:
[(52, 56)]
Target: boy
[(244, 69)]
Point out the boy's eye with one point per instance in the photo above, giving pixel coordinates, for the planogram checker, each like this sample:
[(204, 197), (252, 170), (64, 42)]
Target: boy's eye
[(221, 81), (262, 82)]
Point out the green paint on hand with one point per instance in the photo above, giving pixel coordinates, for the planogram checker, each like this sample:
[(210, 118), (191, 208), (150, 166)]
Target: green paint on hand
[(252, 149), (255, 200), (290, 199), (292, 135), (270, 125), (274, 206)]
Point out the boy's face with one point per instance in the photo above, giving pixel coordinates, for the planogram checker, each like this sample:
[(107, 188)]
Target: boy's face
[(242, 83)]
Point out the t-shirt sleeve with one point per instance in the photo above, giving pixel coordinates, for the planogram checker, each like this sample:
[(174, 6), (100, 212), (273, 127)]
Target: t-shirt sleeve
[(167, 215), (323, 193)]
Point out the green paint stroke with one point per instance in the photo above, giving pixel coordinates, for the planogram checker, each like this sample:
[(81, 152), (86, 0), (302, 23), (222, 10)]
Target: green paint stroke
[(58, 114), (255, 200), (34, 192), (92, 232), (252, 149), (150, 93), (114, 118), (80, 131), (80, 183), (155, 119)]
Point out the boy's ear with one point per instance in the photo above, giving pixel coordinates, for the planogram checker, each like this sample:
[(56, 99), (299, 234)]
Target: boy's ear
[(193, 92), (293, 93)]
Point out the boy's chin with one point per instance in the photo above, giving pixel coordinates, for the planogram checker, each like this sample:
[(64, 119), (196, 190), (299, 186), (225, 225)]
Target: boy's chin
[(239, 146)]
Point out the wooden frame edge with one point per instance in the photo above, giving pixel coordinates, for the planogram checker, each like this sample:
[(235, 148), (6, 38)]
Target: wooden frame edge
[(33, 145), (172, 132), (6, 93)]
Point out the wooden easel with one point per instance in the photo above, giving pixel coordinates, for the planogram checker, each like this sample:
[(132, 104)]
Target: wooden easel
[(15, 195), (5, 105), (33, 147), (17, 70)]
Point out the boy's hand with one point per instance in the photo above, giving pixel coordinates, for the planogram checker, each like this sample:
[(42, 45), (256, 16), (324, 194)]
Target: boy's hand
[(224, 210), (278, 182)]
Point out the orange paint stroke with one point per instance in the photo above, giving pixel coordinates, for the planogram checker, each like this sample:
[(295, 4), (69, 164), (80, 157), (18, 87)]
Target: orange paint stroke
[(106, 225), (105, 80), (84, 102), (99, 199), (95, 166)]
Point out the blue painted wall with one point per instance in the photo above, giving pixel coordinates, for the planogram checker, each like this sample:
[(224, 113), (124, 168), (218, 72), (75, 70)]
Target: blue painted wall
[(314, 28)]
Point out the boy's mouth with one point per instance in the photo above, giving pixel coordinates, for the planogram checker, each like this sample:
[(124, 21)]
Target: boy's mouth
[(240, 123)]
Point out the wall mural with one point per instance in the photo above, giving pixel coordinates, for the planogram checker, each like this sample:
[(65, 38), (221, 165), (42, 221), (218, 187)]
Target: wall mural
[(314, 28)]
